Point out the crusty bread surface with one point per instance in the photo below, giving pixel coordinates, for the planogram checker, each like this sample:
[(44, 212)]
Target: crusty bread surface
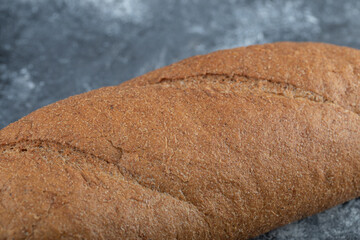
[(227, 145)]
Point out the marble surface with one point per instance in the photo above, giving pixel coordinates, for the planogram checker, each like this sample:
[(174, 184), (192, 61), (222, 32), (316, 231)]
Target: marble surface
[(50, 50)]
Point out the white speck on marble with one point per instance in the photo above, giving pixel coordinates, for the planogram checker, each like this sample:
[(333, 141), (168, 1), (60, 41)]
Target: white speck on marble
[(125, 10)]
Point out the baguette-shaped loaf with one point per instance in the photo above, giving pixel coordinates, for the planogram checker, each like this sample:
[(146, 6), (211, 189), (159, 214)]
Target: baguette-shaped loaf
[(227, 145)]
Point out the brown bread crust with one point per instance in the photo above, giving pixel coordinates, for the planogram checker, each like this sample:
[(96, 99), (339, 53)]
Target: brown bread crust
[(227, 145)]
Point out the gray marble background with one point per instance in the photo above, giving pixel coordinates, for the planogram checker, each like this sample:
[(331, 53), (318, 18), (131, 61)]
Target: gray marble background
[(51, 49)]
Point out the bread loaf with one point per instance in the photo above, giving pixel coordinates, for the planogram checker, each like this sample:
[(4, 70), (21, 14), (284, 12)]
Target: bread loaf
[(227, 145)]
